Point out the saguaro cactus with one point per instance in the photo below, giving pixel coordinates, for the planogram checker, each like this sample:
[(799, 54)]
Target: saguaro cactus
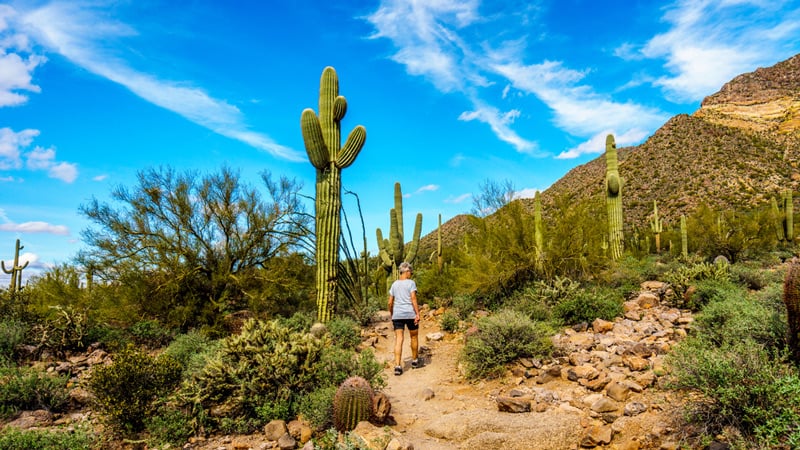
[(538, 237), (322, 138), (16, 270), (791, 297), (438, 252), (779, 220), (613, 199), (392, 250), (657, 226), (684, 238), (788, 221)]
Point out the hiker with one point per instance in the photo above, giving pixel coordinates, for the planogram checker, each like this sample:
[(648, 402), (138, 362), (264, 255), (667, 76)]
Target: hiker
[(405, 313)]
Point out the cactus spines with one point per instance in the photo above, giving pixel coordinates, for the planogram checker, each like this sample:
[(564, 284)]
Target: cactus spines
[(352, 403), (322, 138), (392, 250), (16, 270), (656, 224), (684, 238), (613, 199), (779, 220), (791, 297)]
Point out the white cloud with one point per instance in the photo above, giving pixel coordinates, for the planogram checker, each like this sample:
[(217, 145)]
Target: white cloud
[(100, 177), (427, 188), (17, 63), (526, 193), (597, 144), (40, 158), (35, 227), (11, 145), (83, 36), (66, 172), (459, 199), (710, 42), (500, 123)]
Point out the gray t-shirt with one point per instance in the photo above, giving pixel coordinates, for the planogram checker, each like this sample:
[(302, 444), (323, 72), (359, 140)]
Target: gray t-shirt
[(401, 291)]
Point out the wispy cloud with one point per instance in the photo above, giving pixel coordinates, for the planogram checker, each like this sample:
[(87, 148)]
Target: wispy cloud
[(35, 227), (17, 62), (427, 188), (79, 33), (13, 147), (458, 199), (710, 41)]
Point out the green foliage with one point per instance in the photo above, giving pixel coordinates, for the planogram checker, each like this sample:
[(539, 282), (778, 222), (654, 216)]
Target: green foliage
[(682, 277), (317, 407), (337, 364), (344, 332), (169, 425), (352, 403), (127, 389), (731, 233), (574, 239), (23, 388), (502, 338), (12, 335), (191, 350), (185, 247), (588, 305), (14, 439), (492, 196), (151, 334), (333, 440), (449, 321)]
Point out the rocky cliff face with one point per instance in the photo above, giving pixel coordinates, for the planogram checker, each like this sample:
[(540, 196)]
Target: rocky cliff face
[(739, 149)]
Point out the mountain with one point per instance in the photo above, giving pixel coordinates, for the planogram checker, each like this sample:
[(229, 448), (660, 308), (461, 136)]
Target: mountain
[(741, 148)]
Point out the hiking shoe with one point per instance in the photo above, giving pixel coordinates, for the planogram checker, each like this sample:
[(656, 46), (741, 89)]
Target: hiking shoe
[(398, 370), (415, 363)]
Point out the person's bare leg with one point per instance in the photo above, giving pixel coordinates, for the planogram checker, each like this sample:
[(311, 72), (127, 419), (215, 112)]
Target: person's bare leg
[(414, 343), (398, 347)]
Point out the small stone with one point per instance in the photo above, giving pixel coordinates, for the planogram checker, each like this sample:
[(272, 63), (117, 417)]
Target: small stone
[(513, 405)]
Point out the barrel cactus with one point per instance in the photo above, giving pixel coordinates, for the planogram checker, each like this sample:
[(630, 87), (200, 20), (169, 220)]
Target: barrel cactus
[(352, 403)]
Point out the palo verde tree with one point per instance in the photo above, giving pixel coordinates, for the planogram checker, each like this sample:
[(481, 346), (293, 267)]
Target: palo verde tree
[(322, 138), (185, 246)]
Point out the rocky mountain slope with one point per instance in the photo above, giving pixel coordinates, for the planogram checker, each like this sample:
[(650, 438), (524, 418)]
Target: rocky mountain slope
[(739, 149)]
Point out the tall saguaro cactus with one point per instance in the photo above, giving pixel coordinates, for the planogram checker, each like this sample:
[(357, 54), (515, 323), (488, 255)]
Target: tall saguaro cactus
[(392, 251), (613, 199), (16, 270), (438, 252), (322, 138), (788, 221), (684, 238), (657, 226), (538, 237)]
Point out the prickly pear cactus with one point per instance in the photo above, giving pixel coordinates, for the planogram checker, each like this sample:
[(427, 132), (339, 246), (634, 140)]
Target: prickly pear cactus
[(352, 403), (791, 297), (613, 199)]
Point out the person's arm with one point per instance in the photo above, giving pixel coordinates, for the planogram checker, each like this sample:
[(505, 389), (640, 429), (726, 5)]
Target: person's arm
[(416, 307), (391, 304)]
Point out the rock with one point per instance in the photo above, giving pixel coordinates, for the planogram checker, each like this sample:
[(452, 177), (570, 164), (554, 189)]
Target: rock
[(399, 443), (618, 391), (31, 419), (513, 404), (604, 405), (300, 430), (602, 326), (275, 429), (381, 407), (596, 435), (427, 394), (550, 374), (433, 337), (647, 300), (635, 363), (634, 408), (286, 442)]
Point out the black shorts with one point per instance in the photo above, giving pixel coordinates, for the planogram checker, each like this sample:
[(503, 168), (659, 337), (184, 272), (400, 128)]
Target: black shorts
[(399, 324)]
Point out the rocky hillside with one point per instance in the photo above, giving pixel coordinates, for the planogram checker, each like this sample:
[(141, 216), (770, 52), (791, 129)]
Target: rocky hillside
[(739, 149)]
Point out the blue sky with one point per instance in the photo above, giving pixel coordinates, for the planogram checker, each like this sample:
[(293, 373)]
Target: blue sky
[(451, 92)]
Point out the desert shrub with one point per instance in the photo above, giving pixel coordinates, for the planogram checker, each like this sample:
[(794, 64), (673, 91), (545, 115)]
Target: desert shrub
[(317, 407), (449, 321), (125, 391), (151, 334), (682, 277), (743, 386), (191, 350), (15, 439), (465, 304), (502, 338), (299, 321), (169, 425), (63, 328), (337, 364), (344, 332), (12, 335), (731, 316), (588, 305), (752, 276), (629, 272), (23, 388)]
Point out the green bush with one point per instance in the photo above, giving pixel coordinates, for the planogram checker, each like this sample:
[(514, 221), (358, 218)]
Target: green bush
[(169, 425), (502, 338), (125, 391), (588, 305), (449, 321), (191, 350), (12, 335), (14, 439), (151, 334), (337, 364), (317, 407), (23, 388), (344, 332), (682, 277), (743, 386)]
